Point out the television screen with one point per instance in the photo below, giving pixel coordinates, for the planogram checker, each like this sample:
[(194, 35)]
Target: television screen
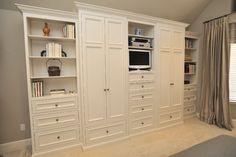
[(139, 58)]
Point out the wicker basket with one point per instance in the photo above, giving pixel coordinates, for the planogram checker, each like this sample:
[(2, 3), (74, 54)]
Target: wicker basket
[(53, 69)]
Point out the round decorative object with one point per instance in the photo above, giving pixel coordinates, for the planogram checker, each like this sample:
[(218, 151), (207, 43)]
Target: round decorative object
[(46, 29), (43, 53), (54, 67)]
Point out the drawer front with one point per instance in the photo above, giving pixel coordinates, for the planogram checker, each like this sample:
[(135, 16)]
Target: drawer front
[(142, 110), (141, 87), (55, 120), (50, 140), (105, 133), (190, 88), (39, 106), (139, 99), (190, 98), (141, 124), (189, 110), (167, 117), (141, 78)]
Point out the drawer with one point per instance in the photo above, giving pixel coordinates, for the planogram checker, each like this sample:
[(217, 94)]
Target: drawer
[(57, 138), (190, 98), (189, 109), (141, 77), (167, 117), (141, 124), (105, 133), (142, 110), (192, 88), (55, 120), (39, 106), (140, 99), (141, 87)]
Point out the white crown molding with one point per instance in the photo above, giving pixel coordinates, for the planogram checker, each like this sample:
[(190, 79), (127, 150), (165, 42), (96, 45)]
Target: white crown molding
[(26, 9), (129, 15), (15, 145)]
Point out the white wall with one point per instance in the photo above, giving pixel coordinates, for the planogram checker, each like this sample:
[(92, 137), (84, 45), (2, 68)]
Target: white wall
[(13, 88)]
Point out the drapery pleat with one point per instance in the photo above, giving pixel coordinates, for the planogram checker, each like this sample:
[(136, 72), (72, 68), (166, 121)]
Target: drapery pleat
[(214, 91)]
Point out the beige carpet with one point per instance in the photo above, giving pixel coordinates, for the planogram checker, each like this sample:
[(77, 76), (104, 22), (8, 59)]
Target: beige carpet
[(156, 144)]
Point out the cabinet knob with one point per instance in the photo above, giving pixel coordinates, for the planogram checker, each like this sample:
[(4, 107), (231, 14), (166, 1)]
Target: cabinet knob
[(58, 137), (171, 117), (142, 76), (142, 123), (108, 89), (142, 109), (142, 86), (56, 105), (142, 96), (57, 119), (172, 84), (107, 131), (188, 109)]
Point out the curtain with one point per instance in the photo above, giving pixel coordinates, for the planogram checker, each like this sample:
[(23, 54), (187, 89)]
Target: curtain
[(214, 92)]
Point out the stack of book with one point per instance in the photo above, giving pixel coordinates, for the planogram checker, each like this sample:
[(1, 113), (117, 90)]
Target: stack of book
[(188, 43), (187, 57), (190, 68), (69, 31), (37, 88), (57, 91), (53, 49)]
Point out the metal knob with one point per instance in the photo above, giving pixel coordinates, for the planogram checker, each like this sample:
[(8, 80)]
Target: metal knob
[(172, 84), (57, 119), (142, 96), (107, 131), (56, 105), (142, 86), (58, 137), (142, 76), (142, 109), (142, 123), (171, 117)]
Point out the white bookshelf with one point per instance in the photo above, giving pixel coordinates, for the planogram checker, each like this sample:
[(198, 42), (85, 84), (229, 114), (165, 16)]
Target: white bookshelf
[(190, 87), (47, 104)]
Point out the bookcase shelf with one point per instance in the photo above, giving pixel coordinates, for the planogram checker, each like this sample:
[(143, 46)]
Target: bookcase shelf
[(141, 36), (53, 77), (141, 48), (66, 95), (50, 38), (39, 57)]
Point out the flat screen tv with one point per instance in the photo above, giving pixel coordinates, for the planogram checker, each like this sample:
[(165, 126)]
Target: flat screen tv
[(139, 59)]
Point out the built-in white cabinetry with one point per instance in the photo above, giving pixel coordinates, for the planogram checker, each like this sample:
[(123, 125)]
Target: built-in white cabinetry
[(105, 98), (171, 69), (104, 50)]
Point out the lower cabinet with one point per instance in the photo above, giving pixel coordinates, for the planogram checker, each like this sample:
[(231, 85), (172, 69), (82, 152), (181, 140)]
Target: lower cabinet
[(105, 133), (190, 99), (170, 117)]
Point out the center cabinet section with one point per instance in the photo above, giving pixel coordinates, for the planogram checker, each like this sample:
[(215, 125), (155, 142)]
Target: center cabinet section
[(171, 65), (104, 46)]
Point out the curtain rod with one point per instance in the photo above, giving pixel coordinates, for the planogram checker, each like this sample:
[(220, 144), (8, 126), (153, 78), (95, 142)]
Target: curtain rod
[(217, 18)]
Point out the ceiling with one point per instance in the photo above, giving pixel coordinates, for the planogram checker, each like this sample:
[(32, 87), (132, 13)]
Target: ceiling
[(179, 10)]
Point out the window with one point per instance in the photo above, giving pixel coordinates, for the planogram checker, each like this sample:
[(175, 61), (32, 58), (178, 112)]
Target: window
[(232, 74)]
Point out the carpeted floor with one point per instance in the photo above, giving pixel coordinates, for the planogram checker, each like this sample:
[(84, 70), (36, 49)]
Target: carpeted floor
[(156, 144)]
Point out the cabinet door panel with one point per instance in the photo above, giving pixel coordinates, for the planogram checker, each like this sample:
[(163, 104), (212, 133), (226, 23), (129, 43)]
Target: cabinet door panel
[(165, 38), (115, 69), (95, 103), (94, 68), (177, 78), (93, 29), (165, 73), (178, 41)]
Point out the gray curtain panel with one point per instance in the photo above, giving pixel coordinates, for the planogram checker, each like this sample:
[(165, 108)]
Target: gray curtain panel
[(214, 94)]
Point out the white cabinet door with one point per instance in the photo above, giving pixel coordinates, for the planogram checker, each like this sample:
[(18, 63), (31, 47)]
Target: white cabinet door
[(171, 67), (116, 39), (93, 45)]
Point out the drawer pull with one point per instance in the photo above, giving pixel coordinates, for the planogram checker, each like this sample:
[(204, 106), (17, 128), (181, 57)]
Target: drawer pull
[(142, 123), (142, 109), (189, 88), (57, 120), (142, 86), (188, 109), (171, 117), (172, 84), (58, 137), (142, 96), (189, 98), (142, 76), (107, 131), (56, 105)]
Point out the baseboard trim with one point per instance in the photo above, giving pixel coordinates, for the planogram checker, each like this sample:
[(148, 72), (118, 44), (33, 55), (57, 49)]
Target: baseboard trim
[(15, 145)]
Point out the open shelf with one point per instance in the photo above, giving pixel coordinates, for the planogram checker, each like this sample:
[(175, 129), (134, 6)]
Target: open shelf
[(39, 57), (52, 77), (140, 36), (141, 48), (55, 96), (40, 37)]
